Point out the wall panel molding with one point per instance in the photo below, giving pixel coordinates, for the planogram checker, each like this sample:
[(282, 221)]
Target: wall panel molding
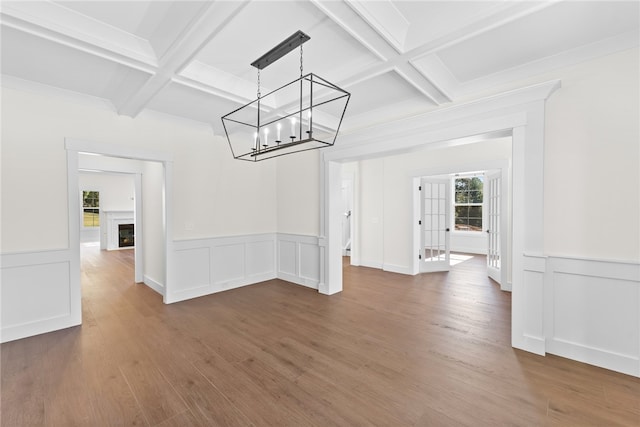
[(36, 294), (593, 312), (299, 259), (210, 265)]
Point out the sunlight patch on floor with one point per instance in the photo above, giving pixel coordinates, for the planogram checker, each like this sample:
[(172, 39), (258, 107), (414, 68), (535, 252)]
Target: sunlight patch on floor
[(458, 258), (453, 258)]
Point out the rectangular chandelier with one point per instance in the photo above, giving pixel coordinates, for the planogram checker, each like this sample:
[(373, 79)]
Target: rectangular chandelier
[(304, 114)]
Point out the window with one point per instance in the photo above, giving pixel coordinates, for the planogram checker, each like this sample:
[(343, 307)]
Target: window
[(468, 203), (91, 208)]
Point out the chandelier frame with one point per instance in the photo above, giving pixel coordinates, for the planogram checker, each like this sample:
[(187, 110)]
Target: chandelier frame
[(307, 133)]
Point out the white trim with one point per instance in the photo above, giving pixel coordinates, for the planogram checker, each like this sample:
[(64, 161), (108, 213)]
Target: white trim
[(41, 284), (76, 146), (121, 151), (154, 284), (306, 259), (370, 264), (400, 269), (592, 312), (139, 229), (67, 27), (209, 265)]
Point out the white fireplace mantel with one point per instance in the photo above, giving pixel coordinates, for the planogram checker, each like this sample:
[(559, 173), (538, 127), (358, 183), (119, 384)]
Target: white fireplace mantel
[(113, 219)]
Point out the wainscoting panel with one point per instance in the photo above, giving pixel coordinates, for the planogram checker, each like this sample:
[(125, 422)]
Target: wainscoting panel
[(193, 267), (228, 263), (309, 255), (206, 266), (261, 257), (287, 258), (37, 294), (595, 312), (299, 259)]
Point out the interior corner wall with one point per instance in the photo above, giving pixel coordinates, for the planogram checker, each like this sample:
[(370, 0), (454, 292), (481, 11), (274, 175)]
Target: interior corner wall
[(214, 195)]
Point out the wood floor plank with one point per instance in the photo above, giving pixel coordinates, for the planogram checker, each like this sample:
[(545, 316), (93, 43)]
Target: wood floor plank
[(390, 350), (157, 398)]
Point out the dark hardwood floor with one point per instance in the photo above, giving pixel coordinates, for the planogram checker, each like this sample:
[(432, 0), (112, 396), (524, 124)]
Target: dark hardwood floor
[(390, 350)]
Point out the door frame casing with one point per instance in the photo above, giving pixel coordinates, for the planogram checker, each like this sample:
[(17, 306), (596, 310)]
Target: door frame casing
[(520, 112), (76, 146)]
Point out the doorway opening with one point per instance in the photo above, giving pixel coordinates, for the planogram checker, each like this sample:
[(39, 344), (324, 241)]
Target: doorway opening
[(151, 169), (519, 114), (464, 213), (109, 224)]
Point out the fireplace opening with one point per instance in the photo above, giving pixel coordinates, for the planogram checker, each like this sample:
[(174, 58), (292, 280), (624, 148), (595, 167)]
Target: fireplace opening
[(125, 235)]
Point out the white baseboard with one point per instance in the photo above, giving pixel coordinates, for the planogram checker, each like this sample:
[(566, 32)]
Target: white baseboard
[(371, 264), (398, 269), (154, 284)]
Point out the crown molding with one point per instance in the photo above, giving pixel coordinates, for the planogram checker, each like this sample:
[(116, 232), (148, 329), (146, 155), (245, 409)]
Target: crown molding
[(61, 25)]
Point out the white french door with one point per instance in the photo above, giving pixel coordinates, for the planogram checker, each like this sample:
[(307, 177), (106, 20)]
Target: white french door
[(495, 194), (436, 204)]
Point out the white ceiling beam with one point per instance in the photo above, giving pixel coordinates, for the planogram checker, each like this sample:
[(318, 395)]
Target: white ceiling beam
[(208, 79), (434, 93), (61, 25), (213, 17), (385, 18), (380, 40), (380, 36)]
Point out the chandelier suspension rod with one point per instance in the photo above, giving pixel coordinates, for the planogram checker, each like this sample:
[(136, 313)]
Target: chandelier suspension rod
[(284, 47)]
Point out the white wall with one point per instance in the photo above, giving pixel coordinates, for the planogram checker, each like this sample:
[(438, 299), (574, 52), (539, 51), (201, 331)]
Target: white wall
[(370, 219), (152, 223), (592, 160), (214, 195), (116, 190), (298, 184), (469, 242)]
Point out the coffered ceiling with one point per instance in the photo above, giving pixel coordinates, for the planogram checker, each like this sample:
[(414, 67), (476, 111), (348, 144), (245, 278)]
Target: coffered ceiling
[(192, 59)]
